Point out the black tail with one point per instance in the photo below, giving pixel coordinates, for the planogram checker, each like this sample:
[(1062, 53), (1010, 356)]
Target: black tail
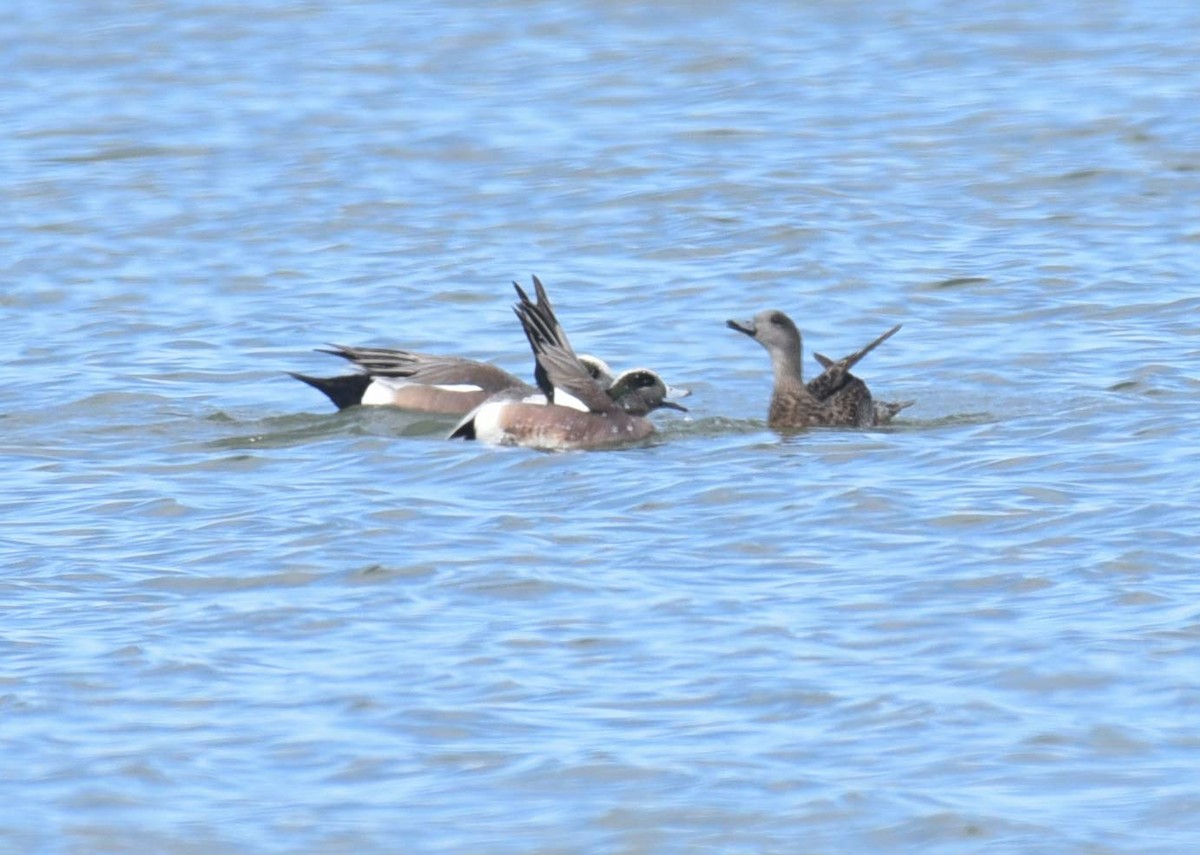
[(464, 429), (345, 391)]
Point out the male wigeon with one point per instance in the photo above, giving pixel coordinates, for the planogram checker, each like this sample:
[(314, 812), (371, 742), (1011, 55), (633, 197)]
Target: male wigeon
[(575, 411), (451, 385)]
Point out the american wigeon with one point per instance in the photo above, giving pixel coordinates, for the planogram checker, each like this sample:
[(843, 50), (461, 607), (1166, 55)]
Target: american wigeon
[(421, 382), (835, 397), (451, 385), (575, 412)]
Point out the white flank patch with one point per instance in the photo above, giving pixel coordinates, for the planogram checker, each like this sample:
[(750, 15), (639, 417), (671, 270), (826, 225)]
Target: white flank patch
[(537, 398), (381, 392), (487, 424), (566, 399)]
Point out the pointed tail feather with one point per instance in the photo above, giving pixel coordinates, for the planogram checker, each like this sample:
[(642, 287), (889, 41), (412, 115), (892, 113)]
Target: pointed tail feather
[(885, 411), (464, 429), (345, 391)]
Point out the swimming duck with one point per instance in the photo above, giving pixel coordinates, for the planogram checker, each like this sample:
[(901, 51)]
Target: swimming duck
[(451, 385), (421, 382), (574, 412), (835, 397)]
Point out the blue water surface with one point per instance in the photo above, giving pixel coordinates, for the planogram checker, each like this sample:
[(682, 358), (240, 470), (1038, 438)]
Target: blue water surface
[(238, 621)]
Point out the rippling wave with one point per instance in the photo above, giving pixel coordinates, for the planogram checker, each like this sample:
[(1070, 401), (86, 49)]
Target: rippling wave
[(239, 621)]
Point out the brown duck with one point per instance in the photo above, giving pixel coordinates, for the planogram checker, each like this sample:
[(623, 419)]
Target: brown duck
[(835, 397), (574, 410)]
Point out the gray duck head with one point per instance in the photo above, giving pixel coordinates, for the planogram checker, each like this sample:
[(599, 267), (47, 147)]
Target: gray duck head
[(773, 330)]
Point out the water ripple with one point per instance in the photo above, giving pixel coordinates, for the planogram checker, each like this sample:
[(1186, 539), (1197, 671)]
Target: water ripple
[(240, 621)]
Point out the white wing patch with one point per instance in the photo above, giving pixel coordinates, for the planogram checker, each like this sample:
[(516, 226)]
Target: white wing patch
[(566, 399)]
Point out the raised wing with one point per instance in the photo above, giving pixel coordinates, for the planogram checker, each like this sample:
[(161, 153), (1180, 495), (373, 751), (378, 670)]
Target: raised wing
[(562, 378), (837, 374)]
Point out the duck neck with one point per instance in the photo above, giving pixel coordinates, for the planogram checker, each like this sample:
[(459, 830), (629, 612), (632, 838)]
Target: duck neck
[(786, 365)]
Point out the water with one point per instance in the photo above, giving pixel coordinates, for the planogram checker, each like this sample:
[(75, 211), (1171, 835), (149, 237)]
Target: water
[(236, 621)]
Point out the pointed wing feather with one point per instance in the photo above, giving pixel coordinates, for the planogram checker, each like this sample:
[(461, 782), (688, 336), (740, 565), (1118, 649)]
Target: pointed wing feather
[(837, 374), (558, 367), (426, 368)]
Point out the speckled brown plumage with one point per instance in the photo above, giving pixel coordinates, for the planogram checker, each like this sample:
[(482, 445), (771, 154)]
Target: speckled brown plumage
[(836, 397), (884, 411)]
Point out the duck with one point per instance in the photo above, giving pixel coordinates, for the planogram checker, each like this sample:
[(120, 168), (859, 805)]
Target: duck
[(834, 398), (453, 386), (410, 380), (572, 410)]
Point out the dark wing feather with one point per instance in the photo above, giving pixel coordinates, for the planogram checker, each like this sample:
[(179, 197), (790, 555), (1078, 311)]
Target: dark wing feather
[(539, 373), (837, 374), (425, 367), (557, 364)]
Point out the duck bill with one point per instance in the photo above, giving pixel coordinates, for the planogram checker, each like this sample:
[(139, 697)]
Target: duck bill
[(677, 392), (745, 327), (671, 405)]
